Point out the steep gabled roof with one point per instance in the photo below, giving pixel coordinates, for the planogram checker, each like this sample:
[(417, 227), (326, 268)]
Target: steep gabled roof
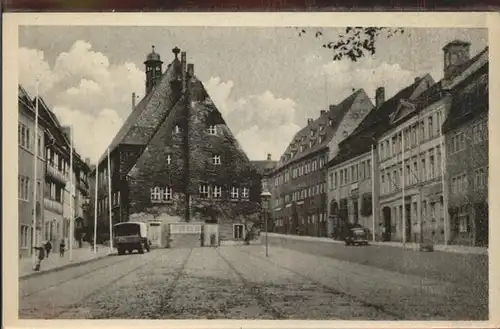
[(374, 125), (140, 125), (325, 126), (469, 99)]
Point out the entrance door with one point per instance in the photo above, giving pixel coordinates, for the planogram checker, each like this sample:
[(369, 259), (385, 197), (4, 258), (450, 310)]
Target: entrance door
[(481, 222), (408, 222), (387, 224), (154, 234)]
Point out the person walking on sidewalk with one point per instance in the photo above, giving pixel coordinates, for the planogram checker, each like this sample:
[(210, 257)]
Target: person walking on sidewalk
[(62, 248), (41, 256), (48, 247)]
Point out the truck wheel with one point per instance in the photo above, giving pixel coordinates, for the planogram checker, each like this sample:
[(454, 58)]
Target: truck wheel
[(121, 251), (141, 249)]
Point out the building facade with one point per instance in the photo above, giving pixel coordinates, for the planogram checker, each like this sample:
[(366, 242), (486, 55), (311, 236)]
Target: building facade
[(418, 183), (175, 160), (466, 134), (356, 187), (26, 175), (53, 184), (299, 194)]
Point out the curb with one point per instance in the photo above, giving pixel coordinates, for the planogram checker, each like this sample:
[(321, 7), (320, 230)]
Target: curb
[(60, 268), (412, 247)]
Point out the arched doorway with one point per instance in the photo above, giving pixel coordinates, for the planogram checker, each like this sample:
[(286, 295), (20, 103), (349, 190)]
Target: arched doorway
[(386, 212), (334, 220)]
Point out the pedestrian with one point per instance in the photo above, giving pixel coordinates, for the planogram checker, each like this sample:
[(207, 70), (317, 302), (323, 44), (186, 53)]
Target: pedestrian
[(48, 247), (62, 248), (41, 256)]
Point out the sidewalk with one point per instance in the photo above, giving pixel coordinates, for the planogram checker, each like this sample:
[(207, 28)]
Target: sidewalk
[(411, 246), (55, 262)]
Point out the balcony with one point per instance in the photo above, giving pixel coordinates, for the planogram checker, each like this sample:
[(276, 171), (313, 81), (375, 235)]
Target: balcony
[(54, 206), (56, 174)]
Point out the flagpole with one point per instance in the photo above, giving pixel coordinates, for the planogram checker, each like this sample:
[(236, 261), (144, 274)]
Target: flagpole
[(373, 193), (443, 183), (109, 203), (33, 236), (95, 206), (71, 218), (403, 183)]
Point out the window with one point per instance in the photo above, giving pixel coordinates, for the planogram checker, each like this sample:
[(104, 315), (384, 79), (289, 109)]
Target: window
[(217, 191), (355, 168), (177, 129), (382, 154), (335, 179), (23, 188), (314, 165), (457, 142), (245, 193), (24, 136), (368, 169), (24, 237), (169, 159), (422, 170), (238, 231), (212, 130), (480, 179), (216, 160), (422, 131), (166, 194), (463, 223), (155, 194), (39, 146), (431, 164), (204, 191), (430, 129)]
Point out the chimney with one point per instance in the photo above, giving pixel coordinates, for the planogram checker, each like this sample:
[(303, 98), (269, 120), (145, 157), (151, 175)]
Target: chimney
[(190, 70), (133, 101), (183, 69), (268, 156), (455, 54), (417, 79), (379, 96), (309, 121), (322, 112)]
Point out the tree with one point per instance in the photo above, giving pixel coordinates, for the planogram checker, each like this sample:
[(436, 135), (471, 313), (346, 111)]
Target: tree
[(355, 42)]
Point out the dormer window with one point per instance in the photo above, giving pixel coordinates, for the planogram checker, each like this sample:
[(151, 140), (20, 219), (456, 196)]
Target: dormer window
[(177, 129), (321, 128), (212, 130), (330, 122), (216, 160), (321, 139), (312, 133), (301, 148), (311, 143)]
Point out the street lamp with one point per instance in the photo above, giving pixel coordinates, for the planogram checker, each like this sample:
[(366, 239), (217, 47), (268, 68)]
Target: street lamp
[(265, 196)]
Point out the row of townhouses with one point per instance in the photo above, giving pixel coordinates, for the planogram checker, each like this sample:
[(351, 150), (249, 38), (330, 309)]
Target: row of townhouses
[(176, 165), (412, 168), (52, 208)]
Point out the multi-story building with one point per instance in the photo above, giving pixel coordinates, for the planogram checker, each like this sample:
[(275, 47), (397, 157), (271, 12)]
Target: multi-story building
[(410, 168), (354, 182), (265, 169), (466, 134), (26, 176), (299, 179), (176, 160)]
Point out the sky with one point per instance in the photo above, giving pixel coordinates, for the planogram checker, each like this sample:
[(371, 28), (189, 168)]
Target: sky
[(265, 81)]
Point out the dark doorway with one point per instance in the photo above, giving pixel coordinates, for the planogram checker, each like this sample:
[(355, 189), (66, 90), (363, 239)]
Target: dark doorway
[(408, 222), (386, 236), (481, 224)]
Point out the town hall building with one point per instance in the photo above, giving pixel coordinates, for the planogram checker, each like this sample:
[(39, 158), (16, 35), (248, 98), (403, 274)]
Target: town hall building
[(176, 165)]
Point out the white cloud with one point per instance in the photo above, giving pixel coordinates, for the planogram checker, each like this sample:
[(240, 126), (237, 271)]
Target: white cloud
[(85, 90), (262, 123), (32, 66), (91, 133), (344, 76)]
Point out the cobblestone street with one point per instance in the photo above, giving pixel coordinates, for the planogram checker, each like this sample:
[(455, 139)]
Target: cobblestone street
[(239, 282)]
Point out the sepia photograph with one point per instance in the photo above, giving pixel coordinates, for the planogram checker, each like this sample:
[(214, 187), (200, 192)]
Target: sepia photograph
[(252, 172)]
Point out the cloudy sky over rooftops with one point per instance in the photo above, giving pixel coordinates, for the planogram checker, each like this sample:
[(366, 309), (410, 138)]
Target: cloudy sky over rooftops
[(265, 81)]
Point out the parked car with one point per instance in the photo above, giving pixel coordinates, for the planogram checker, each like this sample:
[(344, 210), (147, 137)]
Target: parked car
[(356, 236)]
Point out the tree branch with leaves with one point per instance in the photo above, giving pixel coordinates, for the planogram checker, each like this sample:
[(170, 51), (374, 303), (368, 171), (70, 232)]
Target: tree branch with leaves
[(355, 42)]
